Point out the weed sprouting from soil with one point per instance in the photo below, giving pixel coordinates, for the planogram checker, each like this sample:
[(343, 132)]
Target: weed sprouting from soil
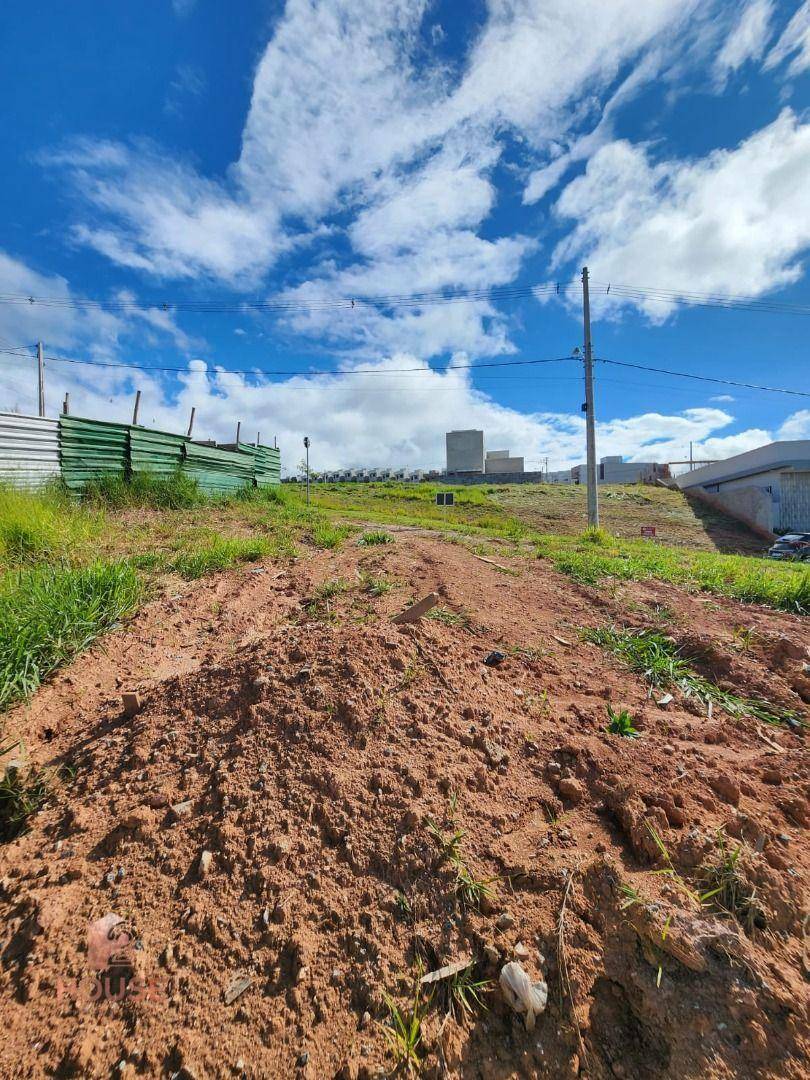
[(466, 992), (472, 891), (49, 614), (24, 789), (729, 890), (659, 660), (403, 1031), (621, 723), (448, 617), (375, 584)]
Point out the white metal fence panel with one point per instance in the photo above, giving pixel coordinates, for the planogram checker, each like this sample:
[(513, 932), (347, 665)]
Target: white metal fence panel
[(29, 450)]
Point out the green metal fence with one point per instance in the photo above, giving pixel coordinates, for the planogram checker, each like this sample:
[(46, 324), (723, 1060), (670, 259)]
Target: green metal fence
[(92, 449), (157, 452)]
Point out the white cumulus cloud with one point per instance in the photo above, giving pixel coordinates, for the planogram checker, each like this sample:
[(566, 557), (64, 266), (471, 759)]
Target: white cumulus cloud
[(736, 221)]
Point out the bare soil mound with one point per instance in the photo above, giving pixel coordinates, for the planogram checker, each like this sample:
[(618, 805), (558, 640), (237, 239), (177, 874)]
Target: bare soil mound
[(278, 827)]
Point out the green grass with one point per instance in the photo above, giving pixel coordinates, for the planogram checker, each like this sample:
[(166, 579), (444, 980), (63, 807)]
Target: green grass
[(592, 557), (403, 1032), (44, 526), (661, 662), (211, 554), (326, 535), (375, 585), (176, 491), (376, 536), (49, 614)]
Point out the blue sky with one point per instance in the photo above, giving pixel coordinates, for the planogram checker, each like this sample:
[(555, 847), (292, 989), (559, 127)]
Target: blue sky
[(180, 152)]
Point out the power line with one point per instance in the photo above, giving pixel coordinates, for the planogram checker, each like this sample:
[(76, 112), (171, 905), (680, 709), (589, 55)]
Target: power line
[(310, 373), (377, 372), (706, 378), (641, 293), (223, 305)]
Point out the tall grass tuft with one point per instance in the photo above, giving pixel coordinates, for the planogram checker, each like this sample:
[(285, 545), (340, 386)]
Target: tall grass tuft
[(36, 526), (175, 491), (49, 614)]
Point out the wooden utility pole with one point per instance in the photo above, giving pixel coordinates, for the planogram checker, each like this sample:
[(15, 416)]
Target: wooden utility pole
[(238, 431), (191, 422), (66, 405), (590, 417), (41, 378), (136, 410)]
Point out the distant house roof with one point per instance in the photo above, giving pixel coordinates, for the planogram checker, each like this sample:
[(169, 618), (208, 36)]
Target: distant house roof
[(789, 454)]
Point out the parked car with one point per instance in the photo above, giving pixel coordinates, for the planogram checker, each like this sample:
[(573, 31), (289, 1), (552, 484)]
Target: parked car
[(794, 547)]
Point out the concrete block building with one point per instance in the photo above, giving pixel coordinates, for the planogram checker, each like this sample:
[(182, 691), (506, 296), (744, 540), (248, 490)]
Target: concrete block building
[(768, 488), (499, 461), (465, 451)]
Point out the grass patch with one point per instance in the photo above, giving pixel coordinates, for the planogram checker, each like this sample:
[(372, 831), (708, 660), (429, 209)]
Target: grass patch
[(49, 614), (376, 536), (728, 888), (592, 557), (375, 584), (448, 617), (44, 525), (215, 553), (175, 491), (660, 661), (403, 1031), (325, 535)]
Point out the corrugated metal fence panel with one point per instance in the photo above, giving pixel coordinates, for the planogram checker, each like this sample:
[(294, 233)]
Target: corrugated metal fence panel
[(217, 470), (157, 452), (268, 466), (91, 449), (29, 450)]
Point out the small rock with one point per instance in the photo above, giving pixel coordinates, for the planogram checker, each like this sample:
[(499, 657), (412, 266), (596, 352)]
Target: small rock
[(131, 703), (726, 787), (206, 859), (772, 775), (237, 987), (570, 788), (505, 922), (521, 951), (182, 809), (494, 658)]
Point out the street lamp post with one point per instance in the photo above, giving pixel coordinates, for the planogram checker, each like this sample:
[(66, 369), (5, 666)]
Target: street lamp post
[(306, 447)]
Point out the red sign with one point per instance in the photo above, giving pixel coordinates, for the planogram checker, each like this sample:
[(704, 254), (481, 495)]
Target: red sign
[(648, 530)]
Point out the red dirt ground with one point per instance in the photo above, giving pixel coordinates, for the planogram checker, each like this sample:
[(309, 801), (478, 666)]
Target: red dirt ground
[(315, 743)]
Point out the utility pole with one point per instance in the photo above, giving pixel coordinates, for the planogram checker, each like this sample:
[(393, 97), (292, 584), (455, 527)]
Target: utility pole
[(66, 405), (191, 421), (590, 418), (306, 446), (238, 432), (41, 378), (136, 410), (691, 465)]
